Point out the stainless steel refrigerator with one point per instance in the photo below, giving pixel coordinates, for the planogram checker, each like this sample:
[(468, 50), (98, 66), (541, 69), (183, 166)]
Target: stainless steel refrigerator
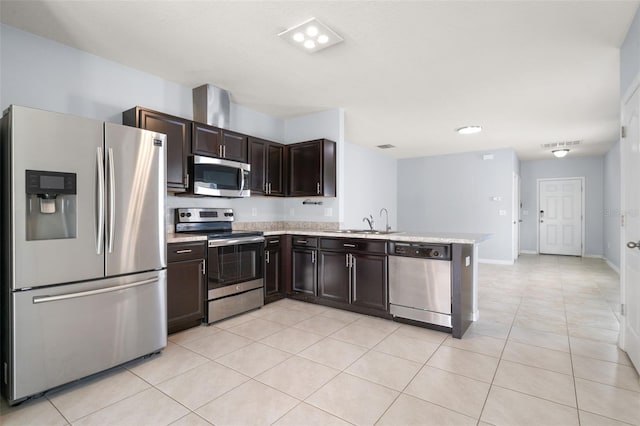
[(83, 248)]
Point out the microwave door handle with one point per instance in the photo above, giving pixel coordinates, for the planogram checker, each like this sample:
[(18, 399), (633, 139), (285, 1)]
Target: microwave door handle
[(241, 180)]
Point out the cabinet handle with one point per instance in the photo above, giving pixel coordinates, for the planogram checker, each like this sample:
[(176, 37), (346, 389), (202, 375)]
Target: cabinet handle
[(346, 260), (274, 241), (204, 267), (318, 188), (349, 245), (302, 242), (183, 251), (266, 256), (224, 151), (186, 179), (269, 184), (352, 278), (220, 151), (313, 257)]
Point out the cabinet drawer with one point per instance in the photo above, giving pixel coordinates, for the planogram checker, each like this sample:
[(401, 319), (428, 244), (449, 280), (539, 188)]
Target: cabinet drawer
[(303, 241), (177, 252), (272, 242), (345, 244)]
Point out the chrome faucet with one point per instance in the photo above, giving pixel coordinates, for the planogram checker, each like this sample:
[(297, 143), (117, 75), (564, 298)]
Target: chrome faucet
[(369, 220), (387, 228)]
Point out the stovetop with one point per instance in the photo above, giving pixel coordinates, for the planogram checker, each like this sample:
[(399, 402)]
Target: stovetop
[(215, 223)]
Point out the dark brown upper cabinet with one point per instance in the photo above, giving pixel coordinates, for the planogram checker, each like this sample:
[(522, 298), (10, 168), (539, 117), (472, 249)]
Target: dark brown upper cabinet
[(215, 142), (267, 167), (312, 168), (178, 131)]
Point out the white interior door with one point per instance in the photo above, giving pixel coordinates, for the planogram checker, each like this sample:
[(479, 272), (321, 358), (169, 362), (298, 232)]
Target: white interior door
[(630, 154), (516, 216), (560, 216)]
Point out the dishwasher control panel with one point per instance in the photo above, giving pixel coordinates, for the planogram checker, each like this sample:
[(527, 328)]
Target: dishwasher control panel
[(420, 250)]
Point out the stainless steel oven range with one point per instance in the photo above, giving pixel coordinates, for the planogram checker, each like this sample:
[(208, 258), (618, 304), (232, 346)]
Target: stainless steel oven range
[(235, 276)]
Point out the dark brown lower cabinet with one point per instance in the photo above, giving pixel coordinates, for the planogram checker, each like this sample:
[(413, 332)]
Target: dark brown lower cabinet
[(305, 269), (369, 281), (334, 272), (273, 277), (185, 285), (353, 272)]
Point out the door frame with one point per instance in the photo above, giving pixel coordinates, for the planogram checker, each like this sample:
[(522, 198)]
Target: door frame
[(635, 86), (584, 219), (515, 215)]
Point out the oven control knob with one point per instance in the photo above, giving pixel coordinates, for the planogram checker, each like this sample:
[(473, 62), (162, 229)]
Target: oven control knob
[(435, 253), (181, 214), (188, 214)]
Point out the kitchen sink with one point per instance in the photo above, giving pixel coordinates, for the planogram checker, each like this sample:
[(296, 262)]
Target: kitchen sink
[(365, 231)]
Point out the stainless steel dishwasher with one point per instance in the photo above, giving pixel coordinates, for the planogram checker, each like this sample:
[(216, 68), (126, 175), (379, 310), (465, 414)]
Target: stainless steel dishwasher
[(420, 282)]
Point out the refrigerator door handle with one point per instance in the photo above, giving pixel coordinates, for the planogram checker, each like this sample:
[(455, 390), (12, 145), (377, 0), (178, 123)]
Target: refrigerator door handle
[(45, 299), (112, 201), (100, 195)]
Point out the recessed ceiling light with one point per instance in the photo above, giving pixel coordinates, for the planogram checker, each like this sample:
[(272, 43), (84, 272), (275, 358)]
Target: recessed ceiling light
[(560, 153), (311, 35), (469, 130)]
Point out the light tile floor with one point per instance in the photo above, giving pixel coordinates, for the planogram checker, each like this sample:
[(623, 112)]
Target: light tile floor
[(543, 353)]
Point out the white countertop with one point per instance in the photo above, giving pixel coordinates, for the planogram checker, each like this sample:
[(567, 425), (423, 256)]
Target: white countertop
[(414, 237), (420, 237)]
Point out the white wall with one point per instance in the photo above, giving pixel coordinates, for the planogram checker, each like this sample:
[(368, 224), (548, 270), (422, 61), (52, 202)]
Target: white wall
[(371, 183), (630, 55), (39, 73), (453, 193), (592, 170)]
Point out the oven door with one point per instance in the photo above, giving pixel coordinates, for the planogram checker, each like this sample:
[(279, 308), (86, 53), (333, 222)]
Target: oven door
[(232, 262), (219, 178)]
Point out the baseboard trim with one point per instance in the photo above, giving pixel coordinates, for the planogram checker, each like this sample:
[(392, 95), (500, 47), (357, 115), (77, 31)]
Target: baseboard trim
[(496, 262), (593, 256), (528, 252), (612, 266)]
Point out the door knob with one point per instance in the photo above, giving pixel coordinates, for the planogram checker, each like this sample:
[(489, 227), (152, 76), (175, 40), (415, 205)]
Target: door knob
[(633, 245)]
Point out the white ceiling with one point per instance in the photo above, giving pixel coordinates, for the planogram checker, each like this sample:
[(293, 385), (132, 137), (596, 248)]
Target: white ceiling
[(408, 72)]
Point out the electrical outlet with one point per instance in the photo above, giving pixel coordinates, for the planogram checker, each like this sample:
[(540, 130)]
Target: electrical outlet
[(502, 212), (292, 211), (328, 211), (254, 212)]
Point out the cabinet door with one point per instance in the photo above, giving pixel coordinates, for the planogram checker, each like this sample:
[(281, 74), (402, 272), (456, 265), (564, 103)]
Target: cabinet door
[(178, 133), (257, 161), (305, 169), (333, 281), (206, 140), (274, 169), (369, 281), (272, 271), (234, 146), (304, 270), (185, 294)]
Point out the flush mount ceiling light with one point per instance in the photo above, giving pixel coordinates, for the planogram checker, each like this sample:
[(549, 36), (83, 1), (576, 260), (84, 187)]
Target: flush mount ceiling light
[(469, 130), (560, 153), (311, 36)]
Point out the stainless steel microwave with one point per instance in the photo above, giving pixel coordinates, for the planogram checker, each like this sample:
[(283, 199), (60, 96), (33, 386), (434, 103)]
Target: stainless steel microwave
[(219, 178)]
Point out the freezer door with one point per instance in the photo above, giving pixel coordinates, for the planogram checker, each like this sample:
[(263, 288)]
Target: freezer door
[(63, 333), (52, 142), (135, 187)]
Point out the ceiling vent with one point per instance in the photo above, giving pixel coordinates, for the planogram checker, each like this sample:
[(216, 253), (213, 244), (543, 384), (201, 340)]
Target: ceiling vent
[(212, 105), (559, 145), (386, 146)]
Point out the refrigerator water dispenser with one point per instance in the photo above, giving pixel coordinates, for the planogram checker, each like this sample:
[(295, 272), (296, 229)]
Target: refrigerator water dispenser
[(51, 205)]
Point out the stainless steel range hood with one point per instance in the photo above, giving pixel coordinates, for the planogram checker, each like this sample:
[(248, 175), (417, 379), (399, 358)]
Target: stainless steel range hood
[(212, 105)]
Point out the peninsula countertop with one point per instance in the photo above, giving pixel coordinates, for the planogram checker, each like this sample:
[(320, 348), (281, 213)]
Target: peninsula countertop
[(419, 237)]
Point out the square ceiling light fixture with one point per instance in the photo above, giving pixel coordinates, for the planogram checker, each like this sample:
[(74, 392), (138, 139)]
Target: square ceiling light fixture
[(311, 36)]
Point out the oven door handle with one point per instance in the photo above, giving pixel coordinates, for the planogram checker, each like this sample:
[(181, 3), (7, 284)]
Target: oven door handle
[(235, 241)]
